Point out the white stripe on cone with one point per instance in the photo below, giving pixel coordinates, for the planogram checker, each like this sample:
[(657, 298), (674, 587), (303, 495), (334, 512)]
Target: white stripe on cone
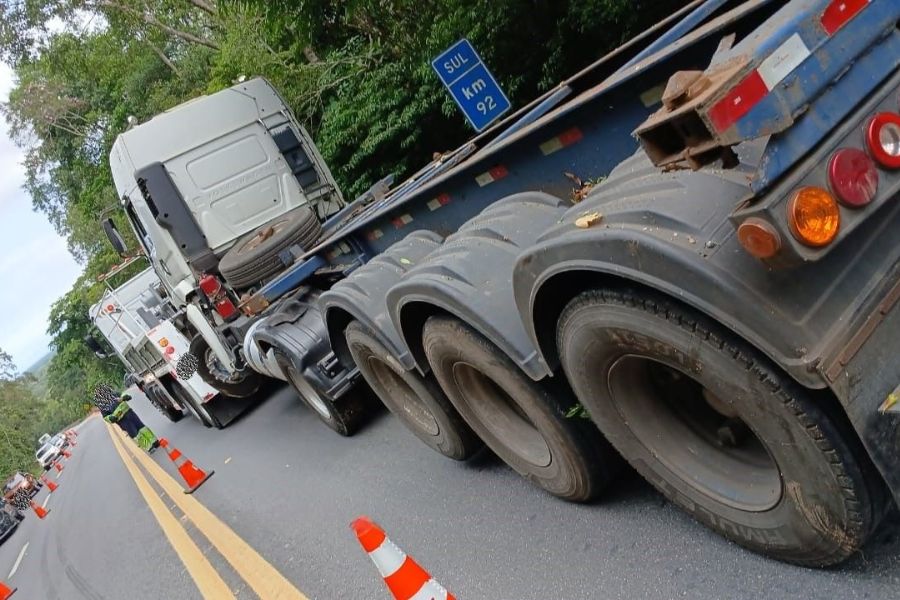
[(388, 558)]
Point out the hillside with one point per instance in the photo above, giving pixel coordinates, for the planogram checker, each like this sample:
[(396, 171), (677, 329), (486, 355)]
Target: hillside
[(39, 372)]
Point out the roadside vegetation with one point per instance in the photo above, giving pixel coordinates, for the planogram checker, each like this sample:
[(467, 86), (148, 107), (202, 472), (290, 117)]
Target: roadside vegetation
[(356, 72)]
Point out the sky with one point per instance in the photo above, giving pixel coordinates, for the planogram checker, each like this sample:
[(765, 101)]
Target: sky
[(35, 266)]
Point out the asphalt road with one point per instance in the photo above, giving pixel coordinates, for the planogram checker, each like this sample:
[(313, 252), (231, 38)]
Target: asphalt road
[(289, 488)]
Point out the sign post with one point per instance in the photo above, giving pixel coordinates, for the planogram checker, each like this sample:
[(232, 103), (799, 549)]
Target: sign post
[(471, 85)]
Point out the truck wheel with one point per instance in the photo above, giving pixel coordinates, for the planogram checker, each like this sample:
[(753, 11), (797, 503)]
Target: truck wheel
[(254, 257), (164, 405), (417, 401), (344, 415), (718, 430), (525, 423), (197, 410), (238, 385)]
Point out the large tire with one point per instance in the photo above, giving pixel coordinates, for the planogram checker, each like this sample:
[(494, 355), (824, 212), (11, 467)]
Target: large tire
[(254, 257), (416, 400), (525, 423), (345, 415), (717, 429), (197, 410), (163, 404), (241, 385)]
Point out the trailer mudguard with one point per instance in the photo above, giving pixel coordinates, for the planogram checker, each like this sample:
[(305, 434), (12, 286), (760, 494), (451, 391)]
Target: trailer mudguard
[(670, 232), (297, 331), (469, 276), (363, 296)]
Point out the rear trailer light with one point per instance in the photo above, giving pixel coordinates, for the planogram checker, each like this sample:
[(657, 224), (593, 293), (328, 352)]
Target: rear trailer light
[(225, 308), (813, 216), (210, 285), (883, 139), (853, 177), (759, 238)]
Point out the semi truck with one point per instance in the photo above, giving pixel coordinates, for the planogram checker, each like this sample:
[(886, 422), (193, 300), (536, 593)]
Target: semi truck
[(684, 257), (134, 319)]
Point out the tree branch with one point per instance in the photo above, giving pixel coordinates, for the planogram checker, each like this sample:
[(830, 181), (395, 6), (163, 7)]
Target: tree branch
[(205, 6), (162, 56), (151, 20)]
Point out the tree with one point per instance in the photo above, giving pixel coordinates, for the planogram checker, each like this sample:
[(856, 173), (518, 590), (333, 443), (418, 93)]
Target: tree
[(356, 72)]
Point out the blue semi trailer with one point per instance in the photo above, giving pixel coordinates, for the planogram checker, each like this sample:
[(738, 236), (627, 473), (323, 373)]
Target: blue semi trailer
[(684, 257)]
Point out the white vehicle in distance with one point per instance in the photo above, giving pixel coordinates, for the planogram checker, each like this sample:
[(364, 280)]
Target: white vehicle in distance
[(47, 455)]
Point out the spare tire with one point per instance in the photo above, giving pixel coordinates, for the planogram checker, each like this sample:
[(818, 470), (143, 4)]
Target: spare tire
[(254, 257)]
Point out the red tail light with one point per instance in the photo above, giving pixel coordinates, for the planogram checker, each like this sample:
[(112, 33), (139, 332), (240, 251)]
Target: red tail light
[(210, 285), (853, 177), (213, 289), (226, 308), (883, 139)]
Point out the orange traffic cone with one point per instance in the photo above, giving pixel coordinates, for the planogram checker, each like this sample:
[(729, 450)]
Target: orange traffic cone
[(67, 454), (5, 591), (50, 486), (39, 510), (403, 576), (58, 467), (192, 475)]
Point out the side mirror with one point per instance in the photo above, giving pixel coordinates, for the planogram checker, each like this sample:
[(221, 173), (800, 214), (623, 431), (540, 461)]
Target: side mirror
[(115, 238), (95, 347)]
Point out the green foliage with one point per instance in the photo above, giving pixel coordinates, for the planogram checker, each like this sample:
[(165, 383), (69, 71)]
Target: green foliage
[(21, 419), (356, 72)]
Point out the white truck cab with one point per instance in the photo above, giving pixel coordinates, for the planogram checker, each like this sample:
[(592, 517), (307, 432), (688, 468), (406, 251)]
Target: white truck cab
[(196, 178)]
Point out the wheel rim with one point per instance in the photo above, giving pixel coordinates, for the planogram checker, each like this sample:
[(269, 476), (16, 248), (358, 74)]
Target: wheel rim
[(498, 412), (411, 404), (215, 368), (262, 236), (308, 393), (690, 431)]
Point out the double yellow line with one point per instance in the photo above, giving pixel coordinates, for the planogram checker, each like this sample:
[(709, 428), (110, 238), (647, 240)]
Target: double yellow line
[(261, 577)]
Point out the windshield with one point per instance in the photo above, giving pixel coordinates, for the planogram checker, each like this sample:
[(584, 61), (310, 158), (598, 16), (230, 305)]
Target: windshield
[(45, 450)]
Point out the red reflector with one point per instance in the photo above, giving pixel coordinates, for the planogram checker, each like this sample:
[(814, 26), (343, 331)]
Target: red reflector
[(853, 177), (210, 285), (444, 199), (570, 136), (738, 101), (839, 12), (225, 308), (883, 139), (499, 172)]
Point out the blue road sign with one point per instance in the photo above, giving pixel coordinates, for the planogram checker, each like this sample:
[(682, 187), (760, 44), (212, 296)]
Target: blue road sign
[(470, 83)]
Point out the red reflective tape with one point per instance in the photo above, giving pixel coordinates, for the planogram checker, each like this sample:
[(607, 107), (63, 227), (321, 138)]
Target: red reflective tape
[(402, 220), (499, 172), (839, 12), (738, 101), (570, 136)]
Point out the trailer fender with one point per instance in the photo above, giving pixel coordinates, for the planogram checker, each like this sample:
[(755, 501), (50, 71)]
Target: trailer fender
[(670, 232), (469, 276), (363, 297), (297, 332)]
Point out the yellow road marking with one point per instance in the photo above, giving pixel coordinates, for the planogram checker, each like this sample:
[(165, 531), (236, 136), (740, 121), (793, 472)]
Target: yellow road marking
[(262, 577), (208, 580)]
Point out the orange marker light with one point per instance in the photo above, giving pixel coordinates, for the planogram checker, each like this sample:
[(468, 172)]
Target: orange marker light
[(164, 342), (759, 238), (814, 216)]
